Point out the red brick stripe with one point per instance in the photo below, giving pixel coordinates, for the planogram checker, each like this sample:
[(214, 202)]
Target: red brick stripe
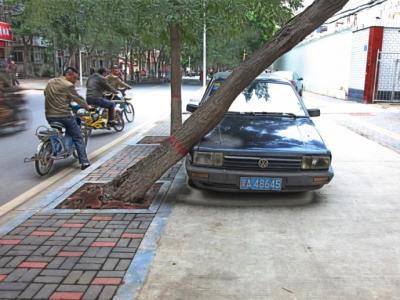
[(66, 296), (73, 225), (32, 265), (102, 218), (10, 242), (103, 244), (70, 253), (181, 149), (2, 277), (42, 233), (132, 235), (107, 280)]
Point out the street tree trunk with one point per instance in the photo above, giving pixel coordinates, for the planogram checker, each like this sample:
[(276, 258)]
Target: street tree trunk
[(72, 49), (136, 180), (176, 81)]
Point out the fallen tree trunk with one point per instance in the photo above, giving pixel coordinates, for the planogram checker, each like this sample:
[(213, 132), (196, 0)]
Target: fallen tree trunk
[(136, 180)]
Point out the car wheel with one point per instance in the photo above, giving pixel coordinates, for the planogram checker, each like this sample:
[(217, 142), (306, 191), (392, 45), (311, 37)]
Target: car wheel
[(191, 183)]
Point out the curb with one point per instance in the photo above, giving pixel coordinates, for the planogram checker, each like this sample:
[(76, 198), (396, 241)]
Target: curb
[(140, 265)]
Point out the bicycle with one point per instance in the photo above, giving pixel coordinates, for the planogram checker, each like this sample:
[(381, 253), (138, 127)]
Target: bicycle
[(126, 107), (54, 144)]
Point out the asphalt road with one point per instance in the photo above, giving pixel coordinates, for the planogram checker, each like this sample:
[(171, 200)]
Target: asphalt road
[(151, 103)]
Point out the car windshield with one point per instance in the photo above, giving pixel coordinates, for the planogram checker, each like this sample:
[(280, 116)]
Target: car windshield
[(264, 97)]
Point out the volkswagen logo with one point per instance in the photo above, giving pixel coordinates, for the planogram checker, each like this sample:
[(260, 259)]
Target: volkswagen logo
[(263, 163)]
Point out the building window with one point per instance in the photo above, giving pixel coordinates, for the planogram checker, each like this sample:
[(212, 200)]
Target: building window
[(37, 56), (18, 56)]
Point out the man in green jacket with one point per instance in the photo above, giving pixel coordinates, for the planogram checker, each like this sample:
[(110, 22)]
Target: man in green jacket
[(59, 93)]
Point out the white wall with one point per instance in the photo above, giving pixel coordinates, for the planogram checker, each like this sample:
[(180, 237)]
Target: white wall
[(359, 54), (323, 63)]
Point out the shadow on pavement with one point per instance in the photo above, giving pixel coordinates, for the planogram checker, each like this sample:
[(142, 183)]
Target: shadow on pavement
[(193, 196)]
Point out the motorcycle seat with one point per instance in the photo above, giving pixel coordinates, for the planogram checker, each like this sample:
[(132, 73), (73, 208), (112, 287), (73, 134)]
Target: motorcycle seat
[(57, 125)]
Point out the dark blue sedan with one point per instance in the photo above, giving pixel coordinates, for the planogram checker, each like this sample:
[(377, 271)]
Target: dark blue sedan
[(265, 142)]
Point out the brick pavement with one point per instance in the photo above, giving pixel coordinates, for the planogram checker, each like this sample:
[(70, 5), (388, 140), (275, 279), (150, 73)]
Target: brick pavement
[(69, 255), (76, 254)]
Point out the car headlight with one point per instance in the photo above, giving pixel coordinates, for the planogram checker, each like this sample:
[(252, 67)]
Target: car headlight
[(315, 162), (215, 159)]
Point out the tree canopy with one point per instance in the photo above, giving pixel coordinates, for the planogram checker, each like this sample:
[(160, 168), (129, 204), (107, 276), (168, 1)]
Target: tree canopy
[(115, 26)]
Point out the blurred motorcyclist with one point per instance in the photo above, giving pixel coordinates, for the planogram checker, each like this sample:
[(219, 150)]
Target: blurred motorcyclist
[(97, 85), (10, 103), (59, 93)]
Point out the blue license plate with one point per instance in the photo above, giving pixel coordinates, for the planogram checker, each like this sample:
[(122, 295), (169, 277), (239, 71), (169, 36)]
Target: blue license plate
[(261, 183)]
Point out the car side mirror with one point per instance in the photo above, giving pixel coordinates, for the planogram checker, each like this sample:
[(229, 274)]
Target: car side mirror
[(191, 107), (314, 112)]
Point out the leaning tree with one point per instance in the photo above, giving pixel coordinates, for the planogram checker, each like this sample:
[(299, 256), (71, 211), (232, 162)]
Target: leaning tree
[(136, 180)]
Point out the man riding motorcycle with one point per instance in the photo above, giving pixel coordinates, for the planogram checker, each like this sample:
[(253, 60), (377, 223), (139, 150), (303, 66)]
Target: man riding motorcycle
[(59, 93), (97, 85)]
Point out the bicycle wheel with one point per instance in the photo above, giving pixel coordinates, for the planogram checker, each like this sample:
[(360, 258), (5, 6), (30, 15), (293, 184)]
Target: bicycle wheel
[(44, 162), (119, 122), (129, 112)]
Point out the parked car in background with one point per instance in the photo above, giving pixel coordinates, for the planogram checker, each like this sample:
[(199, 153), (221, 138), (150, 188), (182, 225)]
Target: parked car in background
[(265, 142), (293, 77)]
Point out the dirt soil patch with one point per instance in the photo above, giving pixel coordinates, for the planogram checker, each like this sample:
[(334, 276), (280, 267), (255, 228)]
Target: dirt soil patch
[(92, 196)]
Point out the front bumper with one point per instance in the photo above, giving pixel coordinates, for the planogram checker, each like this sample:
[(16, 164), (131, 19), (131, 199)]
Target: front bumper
[(229, 180)]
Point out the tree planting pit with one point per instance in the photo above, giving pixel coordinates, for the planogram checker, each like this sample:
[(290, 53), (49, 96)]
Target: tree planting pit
[(92, 196)]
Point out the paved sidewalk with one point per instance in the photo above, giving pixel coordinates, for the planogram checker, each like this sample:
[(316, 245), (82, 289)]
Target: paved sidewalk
[(191, 244), (378, 122), (340, 242)]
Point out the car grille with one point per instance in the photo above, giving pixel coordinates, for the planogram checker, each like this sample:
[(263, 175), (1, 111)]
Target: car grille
[(278, 164)]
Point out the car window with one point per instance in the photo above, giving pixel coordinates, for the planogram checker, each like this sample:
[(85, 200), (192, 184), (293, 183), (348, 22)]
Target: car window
[(284, 74), (264, 97)]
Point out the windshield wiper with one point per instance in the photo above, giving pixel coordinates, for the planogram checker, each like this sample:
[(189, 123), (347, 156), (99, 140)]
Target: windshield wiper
[(278, 114)]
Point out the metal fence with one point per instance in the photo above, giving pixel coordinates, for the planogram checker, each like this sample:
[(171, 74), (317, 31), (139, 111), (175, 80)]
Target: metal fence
[(387, 78)]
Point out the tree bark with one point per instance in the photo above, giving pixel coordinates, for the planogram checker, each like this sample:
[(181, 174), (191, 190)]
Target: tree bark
[(136, 180), (176, 81), (72, 56)]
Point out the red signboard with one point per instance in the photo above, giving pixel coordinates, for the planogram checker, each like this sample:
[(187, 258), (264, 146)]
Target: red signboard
[(5, 32)]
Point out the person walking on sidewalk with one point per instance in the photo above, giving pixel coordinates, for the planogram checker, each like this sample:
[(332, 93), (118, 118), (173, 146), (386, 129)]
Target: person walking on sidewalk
[(59, 93), (97, 85), (12, 69)]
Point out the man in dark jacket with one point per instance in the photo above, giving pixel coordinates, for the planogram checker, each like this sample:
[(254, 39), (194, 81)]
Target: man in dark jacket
[(59, 93), (97, 85)]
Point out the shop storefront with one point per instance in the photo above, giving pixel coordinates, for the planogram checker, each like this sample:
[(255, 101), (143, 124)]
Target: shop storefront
[(6, 38)]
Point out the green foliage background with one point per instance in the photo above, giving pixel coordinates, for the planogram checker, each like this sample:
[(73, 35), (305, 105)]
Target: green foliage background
[(118, 26)]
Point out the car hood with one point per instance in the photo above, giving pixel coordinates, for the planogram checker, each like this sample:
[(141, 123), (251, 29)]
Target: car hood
[(264, 134)]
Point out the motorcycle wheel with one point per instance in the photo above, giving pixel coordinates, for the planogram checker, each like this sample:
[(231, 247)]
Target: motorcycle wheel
[(129, 112), (44, 162), (119, 122)]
